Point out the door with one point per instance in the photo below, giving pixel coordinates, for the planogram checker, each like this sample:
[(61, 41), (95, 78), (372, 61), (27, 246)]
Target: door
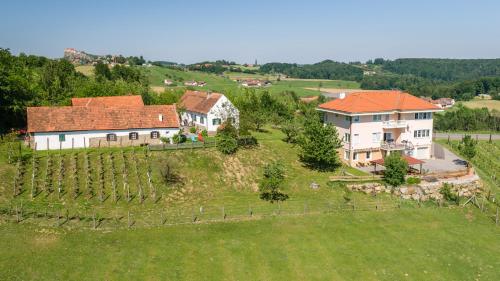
[(388, 137), (422, 152)]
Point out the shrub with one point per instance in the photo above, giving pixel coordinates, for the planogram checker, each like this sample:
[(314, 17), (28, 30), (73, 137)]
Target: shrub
[(165, 140), (413, 180), (395, 169), (179, 138), (347, 194), (227, 138), (270, 185), (192, 130), (448, 195), (204, 134), (247, 141)]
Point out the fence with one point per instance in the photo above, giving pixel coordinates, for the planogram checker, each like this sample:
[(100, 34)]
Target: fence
[(185, 145), (122, 217)]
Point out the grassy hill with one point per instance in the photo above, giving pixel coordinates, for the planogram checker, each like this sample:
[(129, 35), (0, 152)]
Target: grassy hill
[(325, 239), (225, 83)]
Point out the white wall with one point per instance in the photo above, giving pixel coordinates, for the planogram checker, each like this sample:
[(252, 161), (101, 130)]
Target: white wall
[(222, 109), (80, 139)]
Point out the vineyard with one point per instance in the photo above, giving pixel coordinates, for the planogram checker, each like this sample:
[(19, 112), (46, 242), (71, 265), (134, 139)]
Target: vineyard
[(81, 178)]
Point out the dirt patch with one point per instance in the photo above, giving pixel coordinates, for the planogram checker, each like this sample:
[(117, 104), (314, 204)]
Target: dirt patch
[(238, 174)]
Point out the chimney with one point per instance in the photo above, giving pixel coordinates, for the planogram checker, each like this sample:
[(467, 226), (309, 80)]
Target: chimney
[(209, 93), (160, 117)]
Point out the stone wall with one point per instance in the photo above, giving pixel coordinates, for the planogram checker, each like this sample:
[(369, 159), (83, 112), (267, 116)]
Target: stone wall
[(423, 192)]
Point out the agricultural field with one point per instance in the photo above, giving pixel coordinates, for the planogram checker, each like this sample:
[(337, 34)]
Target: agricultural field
[(303, 87), (480, 103)]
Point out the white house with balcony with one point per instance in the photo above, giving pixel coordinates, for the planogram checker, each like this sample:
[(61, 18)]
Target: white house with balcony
[(375, 124), (207, 110)]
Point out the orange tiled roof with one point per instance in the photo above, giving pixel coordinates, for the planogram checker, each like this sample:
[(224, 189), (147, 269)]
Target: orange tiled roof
[(86, 118), (108, 101), (379, 101), (197, 101)]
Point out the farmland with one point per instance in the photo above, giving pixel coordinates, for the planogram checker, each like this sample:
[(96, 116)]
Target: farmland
[(480, 103)]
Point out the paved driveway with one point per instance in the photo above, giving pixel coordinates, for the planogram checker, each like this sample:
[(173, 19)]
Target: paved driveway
[(450, 162)]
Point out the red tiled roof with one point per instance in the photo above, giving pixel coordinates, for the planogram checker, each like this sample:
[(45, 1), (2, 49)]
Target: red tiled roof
[(379, 101), (86, 118), (197, 101), (410, 160), (108, 101)]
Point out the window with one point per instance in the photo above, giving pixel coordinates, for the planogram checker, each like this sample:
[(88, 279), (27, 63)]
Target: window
[(347, 155), (423, 115), (376, 137), (355, 156), (216, 121), (111, 137), (386, 117), (421, 133), (348, 118), (202, 120), (377, 117), (355, 119), (155, 135), (355, 139), (368, 155), (347, 137), (62, 137), (133, 136)]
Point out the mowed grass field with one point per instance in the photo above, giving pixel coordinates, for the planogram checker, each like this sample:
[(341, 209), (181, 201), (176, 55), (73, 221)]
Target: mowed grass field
[(480, 103), (417, 244)]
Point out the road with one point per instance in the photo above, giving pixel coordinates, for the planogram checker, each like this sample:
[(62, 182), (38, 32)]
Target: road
[(458, 136)]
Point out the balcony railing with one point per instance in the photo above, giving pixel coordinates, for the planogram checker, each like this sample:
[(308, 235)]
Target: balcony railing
[(394, 124), (389, 145)]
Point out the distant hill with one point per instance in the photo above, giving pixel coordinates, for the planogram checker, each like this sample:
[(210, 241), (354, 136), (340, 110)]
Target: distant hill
[(444, 69), (326, 69)]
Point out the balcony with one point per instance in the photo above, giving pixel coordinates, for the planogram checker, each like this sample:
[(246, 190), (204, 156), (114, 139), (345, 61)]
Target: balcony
[(392, 145), (393, 124)]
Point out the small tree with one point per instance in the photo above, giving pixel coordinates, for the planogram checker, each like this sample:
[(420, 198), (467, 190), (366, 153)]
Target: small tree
[(319, 144), (270, 185), (395, 169), (291, 129), (468, 147), (227, 138)]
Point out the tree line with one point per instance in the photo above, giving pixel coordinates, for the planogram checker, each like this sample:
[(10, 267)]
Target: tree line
[(326, 69), (463, 118)]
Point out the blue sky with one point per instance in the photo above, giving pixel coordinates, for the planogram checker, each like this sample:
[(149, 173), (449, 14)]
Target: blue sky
[(285, 31)]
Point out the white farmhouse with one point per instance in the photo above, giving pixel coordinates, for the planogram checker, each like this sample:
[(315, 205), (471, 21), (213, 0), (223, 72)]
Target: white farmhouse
[(207, 110), (375, 124), (100, 121)]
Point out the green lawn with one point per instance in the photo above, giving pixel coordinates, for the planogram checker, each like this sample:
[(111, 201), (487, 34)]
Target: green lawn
[(416, 244)]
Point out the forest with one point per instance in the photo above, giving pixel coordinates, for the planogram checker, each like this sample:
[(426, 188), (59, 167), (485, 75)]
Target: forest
[(326, 69), (467, 119), (443, 69)]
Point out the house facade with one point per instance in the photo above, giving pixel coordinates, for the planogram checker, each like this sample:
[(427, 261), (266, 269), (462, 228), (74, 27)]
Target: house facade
[(374, 124), (100, 122), (207, 110)]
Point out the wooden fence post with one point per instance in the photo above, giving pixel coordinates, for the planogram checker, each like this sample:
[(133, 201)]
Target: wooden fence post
[(223, 213), (496, 218)]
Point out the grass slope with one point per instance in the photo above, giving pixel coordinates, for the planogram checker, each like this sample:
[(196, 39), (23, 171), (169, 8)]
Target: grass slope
[(419, 244)]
